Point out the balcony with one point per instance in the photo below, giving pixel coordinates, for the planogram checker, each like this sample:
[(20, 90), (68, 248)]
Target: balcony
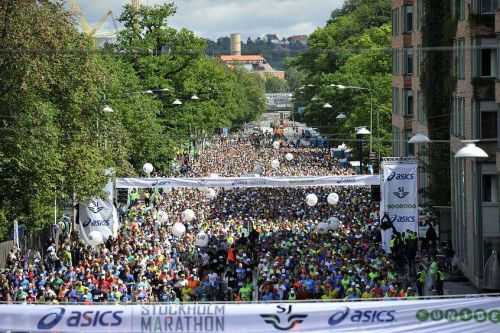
[(408, 119), (482, 17), (490, 147), (484, 7), (484, 88), (482, 26), (407, 39), (407, 81)]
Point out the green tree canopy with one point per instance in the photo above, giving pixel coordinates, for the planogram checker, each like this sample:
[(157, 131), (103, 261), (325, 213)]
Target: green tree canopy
[(56, 141), (276, 85), (51, 95), (351, 50)]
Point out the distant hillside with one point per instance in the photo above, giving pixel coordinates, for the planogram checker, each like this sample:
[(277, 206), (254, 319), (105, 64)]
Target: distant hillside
[(274, 50)]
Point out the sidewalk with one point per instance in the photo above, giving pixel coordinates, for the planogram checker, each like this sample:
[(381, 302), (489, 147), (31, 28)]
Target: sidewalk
[(460, 288)]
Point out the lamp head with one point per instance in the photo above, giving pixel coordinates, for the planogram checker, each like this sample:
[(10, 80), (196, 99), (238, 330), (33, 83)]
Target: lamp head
[(471, 151)]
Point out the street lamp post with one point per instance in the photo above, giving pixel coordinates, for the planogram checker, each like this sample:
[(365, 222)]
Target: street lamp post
[(360, 132), (370, 92), (193, 138), (105, 109)]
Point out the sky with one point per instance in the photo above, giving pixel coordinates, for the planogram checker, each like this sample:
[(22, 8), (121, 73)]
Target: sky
[(216, 18)]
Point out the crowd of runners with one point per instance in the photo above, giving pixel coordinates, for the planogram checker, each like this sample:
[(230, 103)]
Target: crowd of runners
[(263, 244)]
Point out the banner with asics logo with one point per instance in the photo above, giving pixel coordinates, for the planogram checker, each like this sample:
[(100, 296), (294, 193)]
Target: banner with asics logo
[(458, 315), (240, 182), (399, 197)]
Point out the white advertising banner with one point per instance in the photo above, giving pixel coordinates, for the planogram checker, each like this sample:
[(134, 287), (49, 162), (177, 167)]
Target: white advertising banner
[(98, 215), (417, 316), (238, 182), (400, 194)]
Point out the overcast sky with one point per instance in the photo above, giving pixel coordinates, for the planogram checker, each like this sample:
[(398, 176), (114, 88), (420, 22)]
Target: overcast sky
[(215, 18)]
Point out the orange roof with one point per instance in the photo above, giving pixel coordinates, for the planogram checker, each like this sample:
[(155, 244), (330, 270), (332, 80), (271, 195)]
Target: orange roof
[(242, 58)]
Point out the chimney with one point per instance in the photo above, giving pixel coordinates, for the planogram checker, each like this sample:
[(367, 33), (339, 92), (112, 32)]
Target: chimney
[(235, 44)]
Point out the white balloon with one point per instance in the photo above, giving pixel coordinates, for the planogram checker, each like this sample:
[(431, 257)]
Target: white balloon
[(333, 223), (311, 200), (333, 199), (162, 217), (322, 228), (201, 239), (289, 157), (276, 144), (96, 238), (178, 229), (147, 168), (211, 194), (213, 175), (188, 215), (275, 164), (259, 169)]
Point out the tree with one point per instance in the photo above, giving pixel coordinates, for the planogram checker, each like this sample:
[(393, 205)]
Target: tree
[(49, 98), (349, 50), (438, 83), (177, 62), (137, 122), (276, 85), (55, 139), (294, 78), (330, 46)]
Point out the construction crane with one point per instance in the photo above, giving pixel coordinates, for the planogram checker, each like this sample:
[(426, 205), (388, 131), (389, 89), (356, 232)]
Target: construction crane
[(136, 4), (74, 8)]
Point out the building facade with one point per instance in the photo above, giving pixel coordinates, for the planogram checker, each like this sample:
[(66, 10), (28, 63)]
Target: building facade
[(253, 63), (408, 116), (474, 115)]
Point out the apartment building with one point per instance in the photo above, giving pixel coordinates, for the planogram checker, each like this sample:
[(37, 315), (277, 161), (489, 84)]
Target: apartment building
[(474, 115), (408, 116)]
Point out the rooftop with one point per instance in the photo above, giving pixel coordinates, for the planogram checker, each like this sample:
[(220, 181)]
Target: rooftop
[(242, 58)]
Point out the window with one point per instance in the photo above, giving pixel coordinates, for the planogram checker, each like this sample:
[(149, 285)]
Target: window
[(410, 148), (394, 97), (421, 115), (407, 18), (488, 124), (408, 61), (395, 61), (487, 6), (460, 58), (460, 9), (418, 14), (421, 14), (395, 22), (396, 141), (487, 63), (419, 61), (498, 53), (484, 57), (489, 188), (459, 203), (395, 101), (408, 102), (458, 117)]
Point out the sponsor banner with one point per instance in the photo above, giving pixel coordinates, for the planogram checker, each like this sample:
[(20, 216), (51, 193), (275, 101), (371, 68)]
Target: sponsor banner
[(98, 215), (238, 182), (417, 316), (400, 194)]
